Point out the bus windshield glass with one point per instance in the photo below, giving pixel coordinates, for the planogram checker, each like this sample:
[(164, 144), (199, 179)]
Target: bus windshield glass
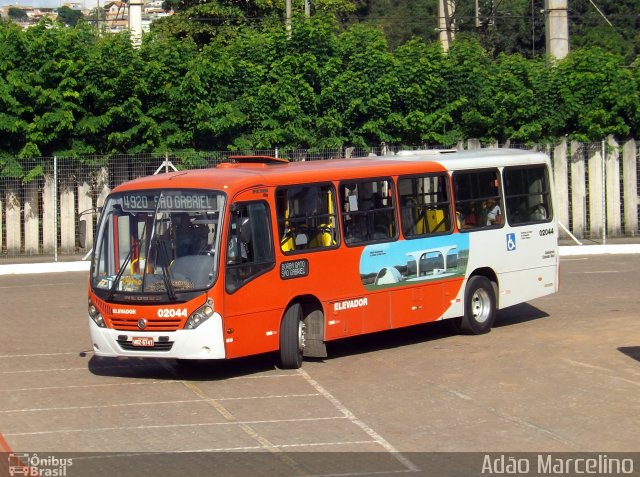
[(160, 242)]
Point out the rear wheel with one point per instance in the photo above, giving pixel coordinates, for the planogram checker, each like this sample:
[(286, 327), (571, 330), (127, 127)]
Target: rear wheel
[(480, 306), (292, 337)]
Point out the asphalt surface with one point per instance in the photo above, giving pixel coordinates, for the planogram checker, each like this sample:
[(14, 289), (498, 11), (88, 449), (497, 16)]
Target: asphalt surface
[(559, 374)]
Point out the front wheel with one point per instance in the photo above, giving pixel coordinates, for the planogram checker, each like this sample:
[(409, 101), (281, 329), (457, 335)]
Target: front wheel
[(292, 337), (479, 306)]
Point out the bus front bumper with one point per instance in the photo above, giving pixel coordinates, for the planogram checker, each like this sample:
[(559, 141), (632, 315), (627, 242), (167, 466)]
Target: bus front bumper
[(205, 342)]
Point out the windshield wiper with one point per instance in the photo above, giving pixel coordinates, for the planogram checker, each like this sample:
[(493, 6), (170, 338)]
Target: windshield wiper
[(123, 267), (166, 274), (154, 240)]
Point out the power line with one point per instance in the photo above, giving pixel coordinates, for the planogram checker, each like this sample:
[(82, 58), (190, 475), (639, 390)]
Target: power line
[(600, 12)]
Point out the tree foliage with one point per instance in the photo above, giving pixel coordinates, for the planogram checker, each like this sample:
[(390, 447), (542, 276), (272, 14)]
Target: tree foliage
[(17, 13), (508, 26), (614, 29), (69, 16), (72, 92)]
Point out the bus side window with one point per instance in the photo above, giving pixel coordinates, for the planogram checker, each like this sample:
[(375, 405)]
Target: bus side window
[(307, 217), (249, 245), (425, 208), (478, 199), (527, 194), (368, 211)]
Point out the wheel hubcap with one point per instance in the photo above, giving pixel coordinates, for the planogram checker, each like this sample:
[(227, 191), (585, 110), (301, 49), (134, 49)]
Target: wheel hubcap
[(301, 336), (480, 305)]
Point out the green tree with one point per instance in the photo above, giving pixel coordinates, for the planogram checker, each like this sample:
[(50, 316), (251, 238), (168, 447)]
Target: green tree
[(12, 127), (600, 96), (69, 91), (617, 33), (37, 80), (401, 20), (220, 19), (466, 72), (165, 62), (68, 16), (112, 117), (16, 13), (358, 86), (244, 69), (426, 115), (288, 100), (507, 26), (510, 101), (201, 23)]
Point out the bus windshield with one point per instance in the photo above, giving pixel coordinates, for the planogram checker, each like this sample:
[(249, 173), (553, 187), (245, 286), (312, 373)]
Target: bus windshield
[(159, 242)]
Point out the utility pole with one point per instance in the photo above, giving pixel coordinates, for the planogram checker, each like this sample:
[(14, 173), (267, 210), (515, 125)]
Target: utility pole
[(446, 22), (135, 21), (287, 17), (556, 28)]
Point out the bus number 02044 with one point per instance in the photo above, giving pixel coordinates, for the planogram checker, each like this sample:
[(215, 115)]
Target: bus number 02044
[(172, 312), (544, 232)]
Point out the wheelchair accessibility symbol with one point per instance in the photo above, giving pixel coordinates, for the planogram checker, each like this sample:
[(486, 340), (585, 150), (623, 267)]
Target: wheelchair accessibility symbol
[(511, 242)]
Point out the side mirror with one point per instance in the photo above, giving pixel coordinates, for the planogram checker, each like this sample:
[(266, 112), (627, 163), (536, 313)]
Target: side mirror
[(82, 225)]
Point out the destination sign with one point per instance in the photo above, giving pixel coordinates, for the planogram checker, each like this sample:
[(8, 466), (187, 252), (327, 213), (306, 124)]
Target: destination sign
[(181, 201)]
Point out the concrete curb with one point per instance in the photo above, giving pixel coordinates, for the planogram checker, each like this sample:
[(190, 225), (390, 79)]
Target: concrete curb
[(49, 267), (618, 249), (83, 266)]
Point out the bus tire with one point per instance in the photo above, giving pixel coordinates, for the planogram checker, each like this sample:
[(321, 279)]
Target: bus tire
[(292, 337), (479, 306)]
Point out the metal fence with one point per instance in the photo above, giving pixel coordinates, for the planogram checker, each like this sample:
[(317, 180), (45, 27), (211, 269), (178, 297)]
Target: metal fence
[(596, 191)]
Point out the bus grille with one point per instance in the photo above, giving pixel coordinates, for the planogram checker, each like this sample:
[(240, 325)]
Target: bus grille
[(157, 346), (131, 324)]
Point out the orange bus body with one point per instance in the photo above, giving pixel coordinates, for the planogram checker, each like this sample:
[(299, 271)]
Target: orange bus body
[(252, 315)]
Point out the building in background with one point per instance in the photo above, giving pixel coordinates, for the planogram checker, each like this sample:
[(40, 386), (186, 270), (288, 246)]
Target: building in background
[(116, 17)]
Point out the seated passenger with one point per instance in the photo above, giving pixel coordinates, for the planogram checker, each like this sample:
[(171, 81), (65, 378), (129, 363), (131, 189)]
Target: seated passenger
[(494, 214), (470, 220), (539, 212)]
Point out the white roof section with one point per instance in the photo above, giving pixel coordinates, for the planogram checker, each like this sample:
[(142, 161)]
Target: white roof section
[(458, 160)]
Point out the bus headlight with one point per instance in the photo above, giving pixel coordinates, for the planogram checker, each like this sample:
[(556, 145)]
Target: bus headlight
[(199, 316), (96, 316)]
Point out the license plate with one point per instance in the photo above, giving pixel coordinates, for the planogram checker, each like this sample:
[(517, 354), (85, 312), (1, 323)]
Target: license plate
[(142, 341)]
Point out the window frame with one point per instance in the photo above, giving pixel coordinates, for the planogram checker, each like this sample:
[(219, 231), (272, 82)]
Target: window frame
[(545, 193), (343, 213), (336, 215), (477, 201), (449, 203), (270, 264)]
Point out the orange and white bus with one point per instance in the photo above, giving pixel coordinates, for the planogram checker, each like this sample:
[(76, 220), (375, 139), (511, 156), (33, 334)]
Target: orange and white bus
[(261, 255)]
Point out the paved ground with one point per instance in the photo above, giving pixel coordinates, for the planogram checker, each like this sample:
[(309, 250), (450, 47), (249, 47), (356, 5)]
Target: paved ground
[(560, 374)]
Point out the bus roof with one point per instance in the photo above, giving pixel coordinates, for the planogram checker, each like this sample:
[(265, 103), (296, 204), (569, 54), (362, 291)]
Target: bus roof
[(459, 160), (233, 177)]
